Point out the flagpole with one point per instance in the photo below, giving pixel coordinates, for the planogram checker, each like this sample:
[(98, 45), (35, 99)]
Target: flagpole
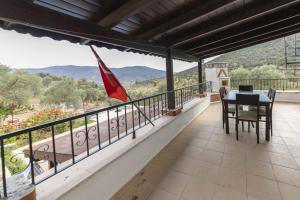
[(144, 115)]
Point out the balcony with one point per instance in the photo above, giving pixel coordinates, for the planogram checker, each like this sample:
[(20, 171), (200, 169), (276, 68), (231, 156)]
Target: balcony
[(183, 157), (202, 162)]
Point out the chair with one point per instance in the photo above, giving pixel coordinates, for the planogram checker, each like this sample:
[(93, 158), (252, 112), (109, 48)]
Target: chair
[(231, 108), (248, 116), (245, 88), (262, 110)]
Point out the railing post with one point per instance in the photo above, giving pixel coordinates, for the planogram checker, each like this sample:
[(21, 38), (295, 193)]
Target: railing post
[(3, 168)]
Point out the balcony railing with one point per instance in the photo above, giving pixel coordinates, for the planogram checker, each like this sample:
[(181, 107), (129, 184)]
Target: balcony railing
[(265, 84), (75, 138)]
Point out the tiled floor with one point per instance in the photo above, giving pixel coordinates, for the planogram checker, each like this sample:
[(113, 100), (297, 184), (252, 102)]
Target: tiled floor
[(203, 163)]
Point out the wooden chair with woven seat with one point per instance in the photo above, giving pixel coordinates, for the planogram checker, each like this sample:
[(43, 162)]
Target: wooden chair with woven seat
[(231, 108), (247, 115)]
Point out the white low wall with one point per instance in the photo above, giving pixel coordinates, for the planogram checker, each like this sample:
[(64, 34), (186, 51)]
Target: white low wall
[(288, 96), (101, 175)]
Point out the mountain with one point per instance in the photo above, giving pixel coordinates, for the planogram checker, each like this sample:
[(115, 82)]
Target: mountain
[(271, 52), (126, 75)]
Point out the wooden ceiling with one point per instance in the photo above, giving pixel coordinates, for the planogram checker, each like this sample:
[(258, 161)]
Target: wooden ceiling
[(193, 29)]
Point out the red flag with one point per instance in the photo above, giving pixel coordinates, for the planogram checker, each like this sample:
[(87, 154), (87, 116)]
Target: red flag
[(113, 87)]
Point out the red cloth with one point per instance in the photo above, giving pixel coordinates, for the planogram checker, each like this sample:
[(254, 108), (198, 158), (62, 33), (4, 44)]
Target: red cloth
[(113, 87)]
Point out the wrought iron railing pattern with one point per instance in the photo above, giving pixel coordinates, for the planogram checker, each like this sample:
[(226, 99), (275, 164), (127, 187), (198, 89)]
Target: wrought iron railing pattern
[(40, 160)]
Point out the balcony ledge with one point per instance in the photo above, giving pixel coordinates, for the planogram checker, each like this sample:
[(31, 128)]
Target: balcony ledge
[(105, 172)]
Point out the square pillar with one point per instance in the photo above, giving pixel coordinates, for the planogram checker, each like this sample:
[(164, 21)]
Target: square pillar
[(170, 80), (200, 80)]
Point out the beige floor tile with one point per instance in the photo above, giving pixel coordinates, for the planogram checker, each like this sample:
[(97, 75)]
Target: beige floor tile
[(160, 194), (295, 151), (203, 135), (212, 157), (283, 160), (201, 143), (260, 169), (193, 152), (174, 182), (261, 156), (223, 193), (215, 146), (287, 175), (185, 165), (236, 148), (262, 188), (207, 171), (235, 162), (198, 189), (289, 192), (232, 179)]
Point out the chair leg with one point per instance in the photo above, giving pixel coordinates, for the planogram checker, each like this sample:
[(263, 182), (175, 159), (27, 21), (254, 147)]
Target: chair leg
[(271, 125), (257, 132), (242, 125), (223, 120), (237, 130), (248, 127)]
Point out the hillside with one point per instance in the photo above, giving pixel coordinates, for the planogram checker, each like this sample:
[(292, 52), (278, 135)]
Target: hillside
[(266, 53), (126, 75)]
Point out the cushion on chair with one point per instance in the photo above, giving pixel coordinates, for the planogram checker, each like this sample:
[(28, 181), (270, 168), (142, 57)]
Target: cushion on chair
[(247, 115), (231, 108), (262, 110)]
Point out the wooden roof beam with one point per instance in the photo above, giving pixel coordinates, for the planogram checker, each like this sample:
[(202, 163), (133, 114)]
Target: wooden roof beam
[(257, 8), (183, 19), (38, 17), (285, 13), (131, 7)]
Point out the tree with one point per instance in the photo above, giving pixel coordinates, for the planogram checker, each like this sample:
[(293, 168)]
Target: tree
[(17, 88), (239, 73), (62, 93), (266, 72)]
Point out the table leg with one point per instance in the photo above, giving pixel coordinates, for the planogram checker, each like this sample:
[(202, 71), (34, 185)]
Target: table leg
[(267, 123), (226, 117)]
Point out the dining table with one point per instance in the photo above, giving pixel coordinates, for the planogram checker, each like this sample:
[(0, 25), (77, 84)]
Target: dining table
[(264, 101)]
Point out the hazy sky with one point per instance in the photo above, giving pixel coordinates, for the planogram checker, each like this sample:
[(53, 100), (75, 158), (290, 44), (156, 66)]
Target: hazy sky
[(23, 51)]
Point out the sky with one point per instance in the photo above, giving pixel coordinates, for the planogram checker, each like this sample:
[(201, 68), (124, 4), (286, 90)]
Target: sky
[(25, 51)]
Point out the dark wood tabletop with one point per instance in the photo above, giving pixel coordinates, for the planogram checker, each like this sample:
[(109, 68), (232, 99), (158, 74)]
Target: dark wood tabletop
[(231, 97)]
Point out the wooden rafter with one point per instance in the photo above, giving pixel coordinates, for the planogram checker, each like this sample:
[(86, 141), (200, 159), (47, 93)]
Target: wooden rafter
[(183, 19), (38, 17), (253, 10), (129, 8), (262, 24)]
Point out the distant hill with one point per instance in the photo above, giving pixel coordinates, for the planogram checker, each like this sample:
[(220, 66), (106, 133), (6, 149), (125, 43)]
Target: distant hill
[(266, 53), (126, 75)]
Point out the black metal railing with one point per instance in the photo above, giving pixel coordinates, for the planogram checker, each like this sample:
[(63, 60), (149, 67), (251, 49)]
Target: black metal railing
[(72, 139), (265, 84)]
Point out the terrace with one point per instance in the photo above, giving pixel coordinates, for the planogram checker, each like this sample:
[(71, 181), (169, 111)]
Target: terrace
[(119, 155), (203, 162)]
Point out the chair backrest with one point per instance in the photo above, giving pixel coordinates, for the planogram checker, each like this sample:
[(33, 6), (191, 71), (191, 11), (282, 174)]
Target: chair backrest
[(249, 100), (272, 97), (245, 88), (222, 92), (269, 92)]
